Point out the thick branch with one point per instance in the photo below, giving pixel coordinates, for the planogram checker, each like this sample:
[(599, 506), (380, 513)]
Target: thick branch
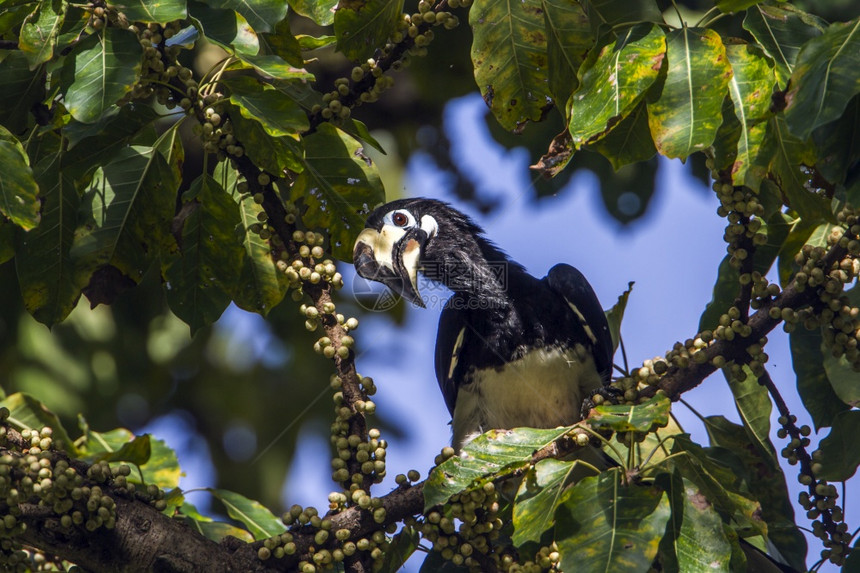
[(143, 540)]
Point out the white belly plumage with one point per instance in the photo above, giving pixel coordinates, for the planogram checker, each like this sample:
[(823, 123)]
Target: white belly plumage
[(543, 389)]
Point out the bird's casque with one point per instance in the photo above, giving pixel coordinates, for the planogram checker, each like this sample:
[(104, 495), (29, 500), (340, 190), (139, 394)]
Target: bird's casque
[(511, 350)]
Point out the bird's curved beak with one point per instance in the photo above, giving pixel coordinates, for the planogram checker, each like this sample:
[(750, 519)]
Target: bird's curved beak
[(390, 256)]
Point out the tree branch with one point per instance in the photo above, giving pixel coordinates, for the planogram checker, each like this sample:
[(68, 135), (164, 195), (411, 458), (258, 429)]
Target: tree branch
[(679, 380)]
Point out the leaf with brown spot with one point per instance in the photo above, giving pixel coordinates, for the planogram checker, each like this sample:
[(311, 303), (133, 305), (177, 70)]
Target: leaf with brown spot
[(613, 81), (509, 53), (607, 526)]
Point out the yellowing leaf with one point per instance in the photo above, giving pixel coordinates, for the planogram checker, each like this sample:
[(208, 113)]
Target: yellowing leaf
[(614, 81), (18, 188), (509, 52), (686, 115), (750, 89), (610, 526)]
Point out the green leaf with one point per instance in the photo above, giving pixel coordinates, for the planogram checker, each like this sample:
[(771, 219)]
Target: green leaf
[(315, 42), (781, 31), (137, 451), (360, 132), (819, 398), (495, 453), (754, 406), (198, 281), (838, 144), (205, 526), (21, 89), (282, 43), (104, 67), (18, 189), (840, 372), (160, 468), (840, 450), (400, 549), (569, 39), (320, 11), (46, 273), (218, 531), (363, 26), (726, 289), (824, 78), (257, 101), (117, 124), (97, 144), (274, 154), (614, 81), (338, 183), (509, 53), (262, 15), (276, 67), (718, 484), (750, 89), (783, 158), (14, 13), (700, 542), (261, 285), (636, 418), (686, 115), (606, 14), (730, 6), (541, 491), (843, 379), (125, 213), (259, 520), (766, 482), (798, 237), (161, 12), (629, 142), (7, 240), (38, 36), (615, 315), (225, 27), (28, 413), (610, 526)]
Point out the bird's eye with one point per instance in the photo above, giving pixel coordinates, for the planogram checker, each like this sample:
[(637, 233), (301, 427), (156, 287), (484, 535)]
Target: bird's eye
[(400, 219)]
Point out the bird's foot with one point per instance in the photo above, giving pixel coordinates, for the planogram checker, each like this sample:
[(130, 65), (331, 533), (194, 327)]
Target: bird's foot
[(600, 396)]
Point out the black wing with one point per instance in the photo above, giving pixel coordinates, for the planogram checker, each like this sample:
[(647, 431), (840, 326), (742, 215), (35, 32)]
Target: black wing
[(449, 343), (572, 285)]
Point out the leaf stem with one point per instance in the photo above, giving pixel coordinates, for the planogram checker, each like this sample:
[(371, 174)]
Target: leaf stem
[(208, 86), (654, 451), (693, 410), (704, 18), (161, 83), (605, 441)]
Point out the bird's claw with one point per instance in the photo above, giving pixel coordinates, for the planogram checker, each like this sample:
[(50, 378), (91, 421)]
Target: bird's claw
[(603, 394)]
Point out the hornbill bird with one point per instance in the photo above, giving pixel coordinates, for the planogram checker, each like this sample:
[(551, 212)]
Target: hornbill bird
[(512, 350)]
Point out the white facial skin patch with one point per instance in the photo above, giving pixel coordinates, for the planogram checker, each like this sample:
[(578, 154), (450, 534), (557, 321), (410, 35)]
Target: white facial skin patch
[(382, 243), (429, 226)]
